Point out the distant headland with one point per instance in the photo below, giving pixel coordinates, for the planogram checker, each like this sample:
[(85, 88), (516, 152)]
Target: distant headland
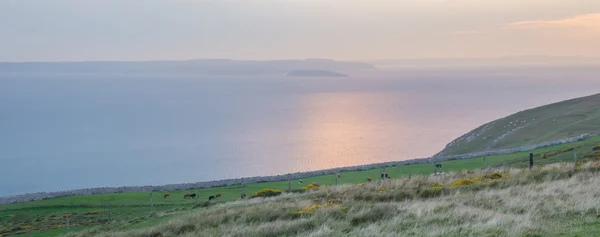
[(315, 73), (210, 67)]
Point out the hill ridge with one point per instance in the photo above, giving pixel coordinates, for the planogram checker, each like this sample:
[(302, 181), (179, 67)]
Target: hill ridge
[(541, 124)]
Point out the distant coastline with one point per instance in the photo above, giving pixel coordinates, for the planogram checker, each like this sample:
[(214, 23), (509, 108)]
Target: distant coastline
[(315, 73), (213, 67), (274, 178)]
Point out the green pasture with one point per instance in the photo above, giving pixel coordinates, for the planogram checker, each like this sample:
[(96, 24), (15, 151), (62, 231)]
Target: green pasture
[(133, 210)]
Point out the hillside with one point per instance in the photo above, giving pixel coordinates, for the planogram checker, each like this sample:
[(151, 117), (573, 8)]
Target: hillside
[(551, 122)]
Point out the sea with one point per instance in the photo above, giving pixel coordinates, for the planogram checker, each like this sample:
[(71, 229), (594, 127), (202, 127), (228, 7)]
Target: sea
[(70, 131)]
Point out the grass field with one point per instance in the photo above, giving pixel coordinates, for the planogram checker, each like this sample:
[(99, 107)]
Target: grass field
[(133, 211), (553, 200)]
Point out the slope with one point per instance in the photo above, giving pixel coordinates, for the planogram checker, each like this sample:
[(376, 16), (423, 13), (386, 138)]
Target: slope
[(551, 122)]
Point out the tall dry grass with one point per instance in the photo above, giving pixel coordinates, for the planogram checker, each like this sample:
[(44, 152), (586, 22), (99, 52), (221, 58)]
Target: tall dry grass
[(542, 202)]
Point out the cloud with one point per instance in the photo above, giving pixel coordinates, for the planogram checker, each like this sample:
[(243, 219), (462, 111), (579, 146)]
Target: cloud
[(580, 22)]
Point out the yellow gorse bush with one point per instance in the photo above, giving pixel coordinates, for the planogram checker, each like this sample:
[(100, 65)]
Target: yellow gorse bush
[(267, 192), (313, 208), (437, 186), (487, 177), (94, 212), (310, 209), (462, 182), (312, 185)]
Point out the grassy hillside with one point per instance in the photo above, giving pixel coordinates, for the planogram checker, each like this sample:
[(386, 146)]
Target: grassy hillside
[(554, 200), (542, 124), (133, 211)]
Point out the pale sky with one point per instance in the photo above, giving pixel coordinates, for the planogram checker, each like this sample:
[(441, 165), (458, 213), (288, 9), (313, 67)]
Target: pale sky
[(80, 30)]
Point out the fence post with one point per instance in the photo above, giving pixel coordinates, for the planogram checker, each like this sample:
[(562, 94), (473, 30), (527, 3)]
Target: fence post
[(575, 155), (67, 223), (336, 178), (289, 184), (434, 168), (530, 161), (484, 163), (243, 189), (108, 205), (151, 204)]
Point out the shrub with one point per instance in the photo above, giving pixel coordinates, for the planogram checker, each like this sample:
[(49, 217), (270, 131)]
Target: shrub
[(310, 209), (567, 149), (298, 190), (593, 155), (313, 185), (267, 192), (437, 186), (462, 182), (493, 176), (596, 147), (94, 212), (333, 202)]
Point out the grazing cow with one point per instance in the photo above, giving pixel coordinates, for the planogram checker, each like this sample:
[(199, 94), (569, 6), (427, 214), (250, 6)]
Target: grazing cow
[(338, 175), (166, 196), (211, 198), (243, 196), (368, 179), (218, 195), (187, 195), (193, 195), (388, 177)]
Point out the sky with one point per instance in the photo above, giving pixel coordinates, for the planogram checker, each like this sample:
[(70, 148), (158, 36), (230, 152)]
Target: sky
[(91, 30)]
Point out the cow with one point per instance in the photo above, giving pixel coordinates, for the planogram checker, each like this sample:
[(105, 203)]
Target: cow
[(300, 181), (243, 196), (368, 179), (187, 195), (218, 195), (166, 196), (338, 175), (193, 195), (211, 198)]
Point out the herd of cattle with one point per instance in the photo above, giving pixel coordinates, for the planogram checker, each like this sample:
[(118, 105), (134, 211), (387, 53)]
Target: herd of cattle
[(384, 175), (192, 196)]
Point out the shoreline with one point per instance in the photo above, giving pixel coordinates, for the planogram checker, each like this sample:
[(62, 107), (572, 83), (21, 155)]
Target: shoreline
[(273, 178)]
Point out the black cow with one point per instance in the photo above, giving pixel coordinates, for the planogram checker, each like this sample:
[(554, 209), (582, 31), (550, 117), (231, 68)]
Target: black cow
[(211, 198), (243, 196), (193, 195)]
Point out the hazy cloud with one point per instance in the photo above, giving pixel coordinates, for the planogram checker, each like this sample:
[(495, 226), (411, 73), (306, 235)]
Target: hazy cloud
[(75, 30), (587, 24)]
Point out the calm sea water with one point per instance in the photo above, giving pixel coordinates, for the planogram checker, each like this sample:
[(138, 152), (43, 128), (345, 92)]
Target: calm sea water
[(62, 132)]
